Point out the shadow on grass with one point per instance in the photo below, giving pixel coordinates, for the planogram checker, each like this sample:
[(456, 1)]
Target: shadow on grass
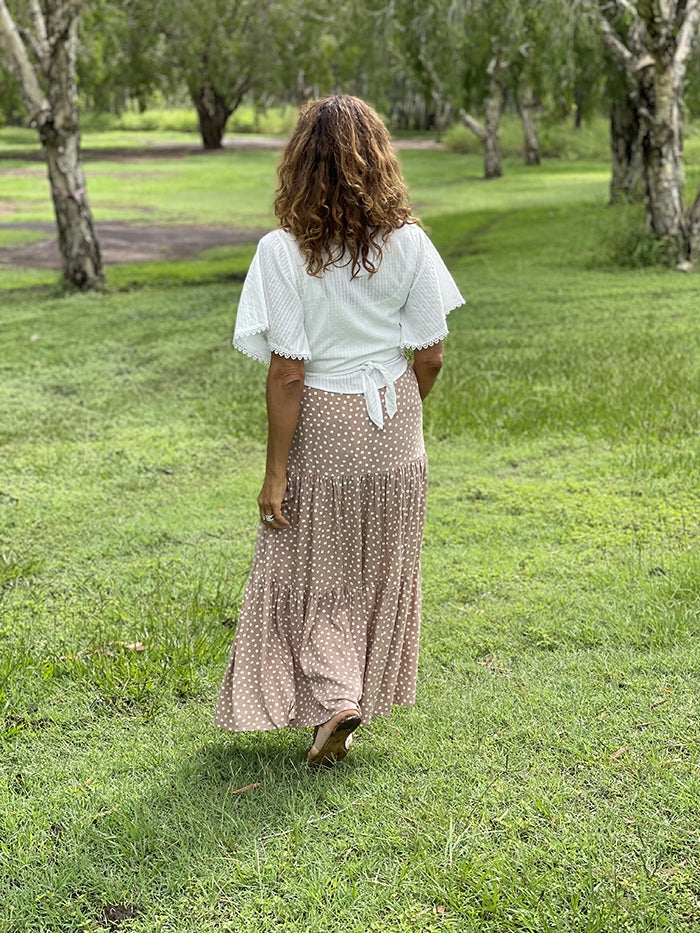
[(242, 789)]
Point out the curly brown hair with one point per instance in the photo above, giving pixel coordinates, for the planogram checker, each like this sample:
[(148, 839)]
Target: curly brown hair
[(341, 190)]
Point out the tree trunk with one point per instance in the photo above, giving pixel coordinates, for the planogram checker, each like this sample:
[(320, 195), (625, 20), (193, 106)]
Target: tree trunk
[(693, 230), (304, 91), (444, 117), (663, 171), (492, 149), (677, 121), (55, 116), (526, 107), (493, 167), (626, 149), (490, 131), (80, 250), (654, 57), (213, 113), (60, 137)]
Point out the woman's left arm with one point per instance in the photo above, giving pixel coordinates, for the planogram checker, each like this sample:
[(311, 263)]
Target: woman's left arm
[(285, 382)]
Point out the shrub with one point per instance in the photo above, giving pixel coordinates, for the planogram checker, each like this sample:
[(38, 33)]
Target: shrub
[(246, 119), (625, 242), (458, 138), (557, 140)]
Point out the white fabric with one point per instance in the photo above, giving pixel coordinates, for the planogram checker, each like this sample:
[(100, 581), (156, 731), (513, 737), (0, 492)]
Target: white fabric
[(343, 327)]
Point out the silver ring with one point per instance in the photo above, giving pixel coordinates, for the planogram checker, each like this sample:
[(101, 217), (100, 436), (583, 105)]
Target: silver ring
[(268, 518)]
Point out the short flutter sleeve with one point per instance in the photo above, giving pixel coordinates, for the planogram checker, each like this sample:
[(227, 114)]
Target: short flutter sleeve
[(270, 314), (433, 294)]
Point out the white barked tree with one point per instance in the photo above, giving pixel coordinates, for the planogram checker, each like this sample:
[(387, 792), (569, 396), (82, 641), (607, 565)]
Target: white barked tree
[(41, 52), (652, 41)]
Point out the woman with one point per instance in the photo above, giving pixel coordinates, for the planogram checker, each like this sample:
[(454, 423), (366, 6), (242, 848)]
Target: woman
[(328, 630)]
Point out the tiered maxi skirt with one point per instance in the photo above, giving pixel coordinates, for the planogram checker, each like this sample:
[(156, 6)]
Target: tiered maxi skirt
[(331, 613)]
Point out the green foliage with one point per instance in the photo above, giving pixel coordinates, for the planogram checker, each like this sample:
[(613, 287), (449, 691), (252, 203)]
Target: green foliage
[(458, 138), (11, 104), (136, 54), (692, 91), (247, 119), (120, 57), (625, 242), (589, 142), (443, 56), (214, 42), (534, 41)]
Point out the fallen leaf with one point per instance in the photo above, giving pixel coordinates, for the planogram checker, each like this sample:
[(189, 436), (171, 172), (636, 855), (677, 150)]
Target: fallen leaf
[(620, 752), (133, 646), (240, 790)]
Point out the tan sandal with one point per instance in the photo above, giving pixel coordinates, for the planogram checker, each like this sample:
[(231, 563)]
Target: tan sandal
[(333, 739)]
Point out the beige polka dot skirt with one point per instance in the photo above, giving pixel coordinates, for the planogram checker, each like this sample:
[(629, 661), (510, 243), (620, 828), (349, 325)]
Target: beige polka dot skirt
[(331, 613)]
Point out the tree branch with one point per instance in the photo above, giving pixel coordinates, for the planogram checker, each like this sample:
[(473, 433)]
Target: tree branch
[(30, 39), (62, 20), (615, 43), (688, 33), (626, 7), (474, 125), (18, 59), (240, 90), (40, 40), (497, 67)]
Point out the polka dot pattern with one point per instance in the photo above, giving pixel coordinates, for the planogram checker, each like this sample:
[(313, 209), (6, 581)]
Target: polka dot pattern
[(331, 613)]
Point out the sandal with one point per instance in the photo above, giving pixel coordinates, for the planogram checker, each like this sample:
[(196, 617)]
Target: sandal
[(333, 739)]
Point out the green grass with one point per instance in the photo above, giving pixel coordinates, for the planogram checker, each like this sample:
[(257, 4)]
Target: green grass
[(547, 779), (19, 237), (207, 188)]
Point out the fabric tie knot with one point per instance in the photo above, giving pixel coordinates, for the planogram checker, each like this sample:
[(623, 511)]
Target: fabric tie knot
[(372, 397)]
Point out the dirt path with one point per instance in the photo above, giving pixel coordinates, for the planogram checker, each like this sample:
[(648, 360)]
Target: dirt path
[(121, 242)]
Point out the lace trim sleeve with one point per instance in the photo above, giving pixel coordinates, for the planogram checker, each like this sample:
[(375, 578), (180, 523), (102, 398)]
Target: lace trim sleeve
[(261, 348), (286, 354), (270, 315), (424, 346), (433, 294)]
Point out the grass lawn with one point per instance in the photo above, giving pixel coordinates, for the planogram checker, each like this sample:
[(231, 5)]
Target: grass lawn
[(548, 777)]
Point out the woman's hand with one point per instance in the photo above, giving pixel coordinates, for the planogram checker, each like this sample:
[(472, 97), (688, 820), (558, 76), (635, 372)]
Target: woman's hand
[(270, 501), (427, 364)]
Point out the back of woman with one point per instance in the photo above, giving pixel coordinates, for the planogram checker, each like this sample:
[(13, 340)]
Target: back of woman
[(328, 631)]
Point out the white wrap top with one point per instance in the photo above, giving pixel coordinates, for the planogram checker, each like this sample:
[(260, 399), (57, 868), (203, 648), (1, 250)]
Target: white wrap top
[(350, 332)]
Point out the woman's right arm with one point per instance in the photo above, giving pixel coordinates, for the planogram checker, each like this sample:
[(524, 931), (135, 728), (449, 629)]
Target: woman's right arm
[(285, 384), (427, 363)]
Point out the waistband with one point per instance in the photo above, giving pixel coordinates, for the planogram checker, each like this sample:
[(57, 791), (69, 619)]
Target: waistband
[(366, 380)]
